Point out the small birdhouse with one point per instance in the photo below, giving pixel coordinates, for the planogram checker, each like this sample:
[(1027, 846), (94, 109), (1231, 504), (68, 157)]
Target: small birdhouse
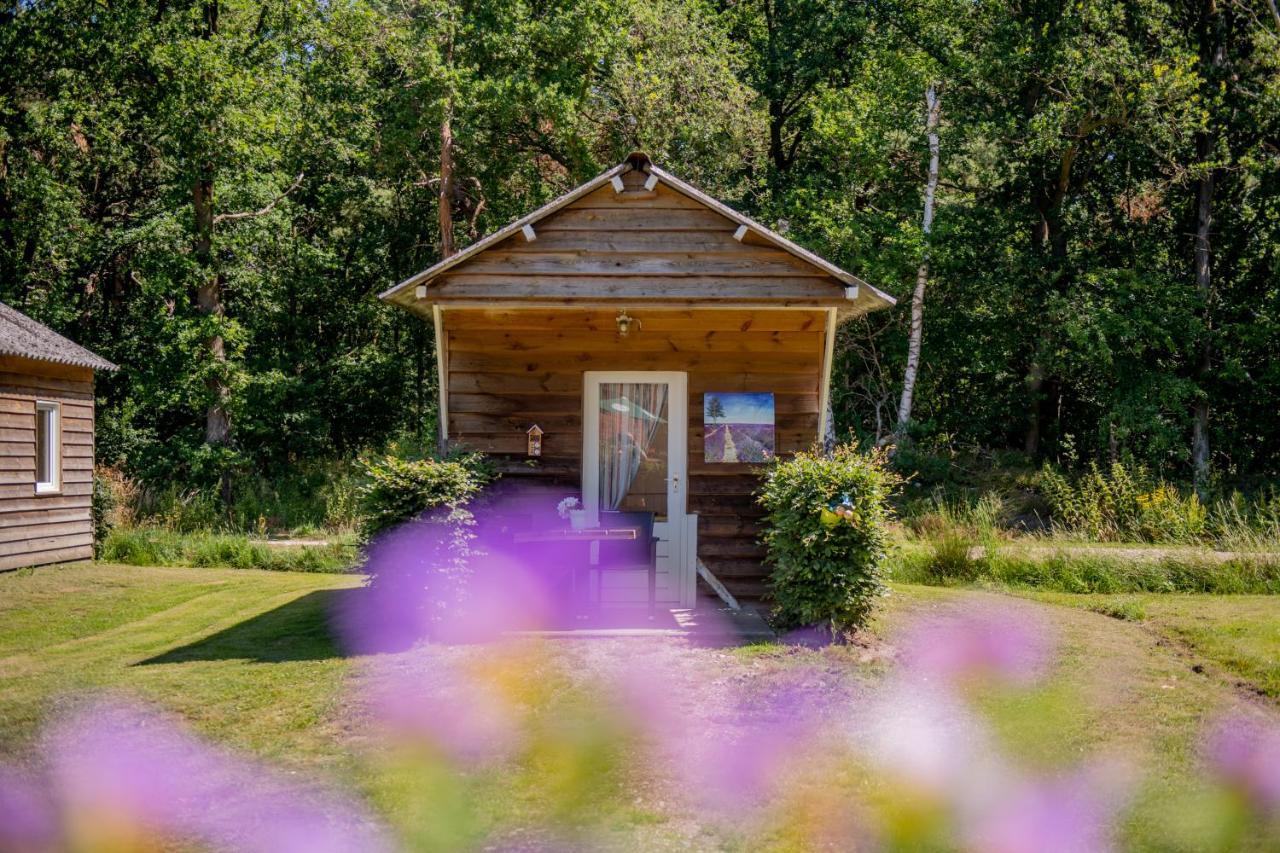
[(535, 440)]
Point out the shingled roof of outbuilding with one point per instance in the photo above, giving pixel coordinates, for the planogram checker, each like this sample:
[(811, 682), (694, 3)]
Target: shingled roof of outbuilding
[(24, 337)]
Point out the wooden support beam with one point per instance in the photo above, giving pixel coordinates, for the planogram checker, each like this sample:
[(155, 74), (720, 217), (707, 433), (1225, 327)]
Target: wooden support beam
[(420, 291), (851, 292), (651, 183), (741, 233), (828, 359), (717, 586), (529, 234), (618, 186)]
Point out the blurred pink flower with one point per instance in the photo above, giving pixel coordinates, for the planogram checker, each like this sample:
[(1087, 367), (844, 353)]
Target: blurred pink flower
[(926, 736), (461, 716), (141, 770), (731, 753), (1006, 643), (1245, 753), (1072, 814), (28, 820)]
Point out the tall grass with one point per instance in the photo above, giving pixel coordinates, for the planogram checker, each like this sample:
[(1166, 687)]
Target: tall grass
[(314, 499), (1065, 571), (143, 546)]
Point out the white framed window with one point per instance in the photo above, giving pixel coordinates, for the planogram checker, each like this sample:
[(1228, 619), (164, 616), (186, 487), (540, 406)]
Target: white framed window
[(48, 447)]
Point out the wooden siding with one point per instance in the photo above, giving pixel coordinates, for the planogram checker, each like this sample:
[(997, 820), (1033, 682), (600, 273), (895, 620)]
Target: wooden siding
[(509, 369), (47, 528)]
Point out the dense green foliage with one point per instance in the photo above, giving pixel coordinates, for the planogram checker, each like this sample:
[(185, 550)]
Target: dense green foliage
[(826, 530), (211, 193), (399, 489)]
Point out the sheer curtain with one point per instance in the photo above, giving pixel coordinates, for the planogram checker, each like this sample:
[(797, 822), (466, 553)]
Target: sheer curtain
[(630, 415)]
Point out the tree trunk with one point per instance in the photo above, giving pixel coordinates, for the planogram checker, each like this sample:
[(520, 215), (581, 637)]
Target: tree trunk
[(209, 303), (217, 422), (446, 181), (1213, 49), (934, 107)]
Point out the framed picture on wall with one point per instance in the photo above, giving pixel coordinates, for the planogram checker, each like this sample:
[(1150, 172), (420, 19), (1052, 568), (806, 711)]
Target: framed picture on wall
[(737, 427)]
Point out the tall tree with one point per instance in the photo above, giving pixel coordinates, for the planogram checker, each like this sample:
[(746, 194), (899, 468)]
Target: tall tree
[(933, 109)]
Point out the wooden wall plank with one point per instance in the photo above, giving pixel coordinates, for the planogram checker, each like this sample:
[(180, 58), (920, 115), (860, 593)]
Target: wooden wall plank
[(42, 558), (534, 342), (601, 320), (703, 288), (649, 263), (627, 218)]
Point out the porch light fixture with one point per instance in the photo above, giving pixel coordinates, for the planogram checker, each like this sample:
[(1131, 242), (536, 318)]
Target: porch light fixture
[(625, 321)]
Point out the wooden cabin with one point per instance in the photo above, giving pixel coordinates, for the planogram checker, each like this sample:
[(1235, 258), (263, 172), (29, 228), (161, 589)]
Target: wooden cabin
[(663, 345), (46, 444)]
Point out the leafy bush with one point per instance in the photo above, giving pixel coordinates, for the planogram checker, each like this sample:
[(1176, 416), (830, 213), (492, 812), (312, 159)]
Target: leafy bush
[(400, 489), (827, 566), (103, 508)]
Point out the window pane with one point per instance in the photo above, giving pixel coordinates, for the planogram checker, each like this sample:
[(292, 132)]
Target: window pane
[(42, 445), (633, 447)]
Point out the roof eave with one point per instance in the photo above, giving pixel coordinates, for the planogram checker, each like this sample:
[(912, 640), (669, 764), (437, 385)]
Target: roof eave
[(502, 234)]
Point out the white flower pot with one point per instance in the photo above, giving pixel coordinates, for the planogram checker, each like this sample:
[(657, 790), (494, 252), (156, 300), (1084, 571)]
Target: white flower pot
[(578, 519)]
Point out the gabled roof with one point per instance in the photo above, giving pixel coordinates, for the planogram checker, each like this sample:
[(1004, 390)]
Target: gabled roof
[(642, 163), (24, 337)]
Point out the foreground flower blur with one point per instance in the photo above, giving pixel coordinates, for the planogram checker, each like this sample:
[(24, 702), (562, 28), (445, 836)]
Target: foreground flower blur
[(120, 777)]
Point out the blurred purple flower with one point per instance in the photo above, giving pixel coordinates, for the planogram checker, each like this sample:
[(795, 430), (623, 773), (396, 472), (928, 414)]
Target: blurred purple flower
[(134, 768), (733, 751), (28, 820), (464, 717), (1065, 815), (1006, 643), (458, 579), (926, 736), (1245, 753)]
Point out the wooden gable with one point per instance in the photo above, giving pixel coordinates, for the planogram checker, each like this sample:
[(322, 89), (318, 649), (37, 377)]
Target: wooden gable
[(636, 235)]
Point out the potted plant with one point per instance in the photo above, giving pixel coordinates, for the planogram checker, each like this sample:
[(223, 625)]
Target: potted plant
[(571, 508)]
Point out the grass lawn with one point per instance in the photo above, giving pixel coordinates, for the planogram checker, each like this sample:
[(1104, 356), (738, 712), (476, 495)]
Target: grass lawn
[(1240, 634), (245, 657)]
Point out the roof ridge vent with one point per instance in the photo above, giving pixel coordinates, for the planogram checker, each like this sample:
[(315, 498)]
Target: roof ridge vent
[(639, 161)]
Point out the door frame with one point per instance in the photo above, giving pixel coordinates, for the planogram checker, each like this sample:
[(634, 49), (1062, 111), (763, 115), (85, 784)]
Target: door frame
[(680, 527)]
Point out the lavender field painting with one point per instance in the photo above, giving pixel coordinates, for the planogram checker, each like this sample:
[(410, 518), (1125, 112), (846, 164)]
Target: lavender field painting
[(737, 427)]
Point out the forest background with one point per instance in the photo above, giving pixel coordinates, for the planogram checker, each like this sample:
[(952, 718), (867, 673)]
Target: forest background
[(212, 193)]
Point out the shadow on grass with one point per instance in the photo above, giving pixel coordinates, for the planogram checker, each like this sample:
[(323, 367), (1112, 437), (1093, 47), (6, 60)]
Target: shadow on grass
[(298, 631), (304, 630)]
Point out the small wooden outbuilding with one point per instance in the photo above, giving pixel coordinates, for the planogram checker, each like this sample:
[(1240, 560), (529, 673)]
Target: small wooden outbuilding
[(46, 444), (663, 345)]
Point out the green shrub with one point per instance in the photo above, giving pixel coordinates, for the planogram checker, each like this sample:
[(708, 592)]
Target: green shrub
[(400, 489), (828, 568), (103, 509)]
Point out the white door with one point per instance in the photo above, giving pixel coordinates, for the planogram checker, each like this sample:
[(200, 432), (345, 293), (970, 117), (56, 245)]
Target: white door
[(634, 459)]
